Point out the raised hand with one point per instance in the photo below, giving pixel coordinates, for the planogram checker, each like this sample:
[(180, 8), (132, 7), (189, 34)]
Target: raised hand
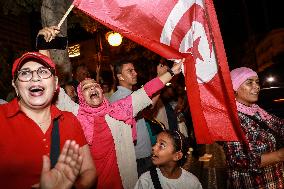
[(65, 172), (177, 66), (49, 33)]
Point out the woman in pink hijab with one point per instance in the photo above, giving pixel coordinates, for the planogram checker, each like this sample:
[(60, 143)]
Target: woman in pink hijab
[(260, 163), (108, 129)]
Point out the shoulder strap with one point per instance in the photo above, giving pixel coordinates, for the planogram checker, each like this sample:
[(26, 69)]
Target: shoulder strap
[(55, 143), (155, 178)]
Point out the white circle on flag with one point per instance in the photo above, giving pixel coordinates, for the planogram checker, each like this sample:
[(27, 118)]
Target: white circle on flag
[(204, 56), (205, 61)]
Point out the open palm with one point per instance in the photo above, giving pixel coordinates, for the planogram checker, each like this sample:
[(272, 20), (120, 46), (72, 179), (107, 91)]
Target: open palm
[(65, 172)]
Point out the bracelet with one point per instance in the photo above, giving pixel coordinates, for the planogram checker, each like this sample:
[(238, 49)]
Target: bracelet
[(171, 72)]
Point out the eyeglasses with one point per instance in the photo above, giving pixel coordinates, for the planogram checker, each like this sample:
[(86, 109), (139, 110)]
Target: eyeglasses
[(26, 74)]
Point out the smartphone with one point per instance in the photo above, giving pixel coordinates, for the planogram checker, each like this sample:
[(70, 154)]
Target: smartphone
[(56, 43)]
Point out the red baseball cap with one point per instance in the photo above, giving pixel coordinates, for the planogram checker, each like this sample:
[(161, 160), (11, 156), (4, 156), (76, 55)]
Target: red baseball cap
[(32, 56)]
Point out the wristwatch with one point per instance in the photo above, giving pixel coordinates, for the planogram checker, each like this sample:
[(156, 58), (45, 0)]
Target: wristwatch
[(171, 72)]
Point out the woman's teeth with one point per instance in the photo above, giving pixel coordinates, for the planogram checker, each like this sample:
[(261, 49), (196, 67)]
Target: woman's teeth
[(94, 95), (36, 89)]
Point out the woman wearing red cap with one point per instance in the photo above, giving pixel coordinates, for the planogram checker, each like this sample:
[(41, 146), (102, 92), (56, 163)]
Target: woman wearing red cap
[(32, 128), (259, 162)]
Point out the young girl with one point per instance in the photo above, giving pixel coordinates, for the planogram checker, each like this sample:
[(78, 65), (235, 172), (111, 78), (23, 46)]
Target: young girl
[(169, 154)]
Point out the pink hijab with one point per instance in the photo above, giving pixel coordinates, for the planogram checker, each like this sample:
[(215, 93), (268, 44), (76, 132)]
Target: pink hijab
[(87, 114), (239, 76)]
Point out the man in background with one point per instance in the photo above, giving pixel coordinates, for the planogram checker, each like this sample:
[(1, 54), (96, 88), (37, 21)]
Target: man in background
[(81, 73), (127, 78)]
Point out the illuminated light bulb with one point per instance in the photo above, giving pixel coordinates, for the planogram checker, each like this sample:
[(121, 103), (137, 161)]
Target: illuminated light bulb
[(74, 50), (114, 38), (270, 79)]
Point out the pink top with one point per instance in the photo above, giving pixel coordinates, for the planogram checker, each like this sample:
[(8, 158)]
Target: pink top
[(121, 110), (99, 136)]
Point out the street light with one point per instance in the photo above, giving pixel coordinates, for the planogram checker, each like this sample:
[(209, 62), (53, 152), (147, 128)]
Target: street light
[(270, 79), (114, 38)]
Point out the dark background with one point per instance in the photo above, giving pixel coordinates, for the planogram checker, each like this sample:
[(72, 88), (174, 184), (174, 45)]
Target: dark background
[(241, 20), (243, 23)]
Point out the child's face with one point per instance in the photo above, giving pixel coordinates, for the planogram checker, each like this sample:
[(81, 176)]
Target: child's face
[(163, 151)]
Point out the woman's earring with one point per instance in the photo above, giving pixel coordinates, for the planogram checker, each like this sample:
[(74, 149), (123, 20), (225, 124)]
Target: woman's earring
[(17, 94)]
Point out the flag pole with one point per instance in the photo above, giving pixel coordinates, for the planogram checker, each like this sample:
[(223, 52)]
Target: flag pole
[(65, 16)]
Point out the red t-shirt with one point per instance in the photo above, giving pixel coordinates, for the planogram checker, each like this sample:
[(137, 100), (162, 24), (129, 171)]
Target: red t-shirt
[(22, 144)]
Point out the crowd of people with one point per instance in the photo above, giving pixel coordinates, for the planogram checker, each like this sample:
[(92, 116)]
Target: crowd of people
[(87, 135)]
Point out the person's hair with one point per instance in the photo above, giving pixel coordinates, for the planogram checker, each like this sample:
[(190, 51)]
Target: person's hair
[(68, 83), (119, 64), (166, 62), (80, 66), (76, 68), (180, 143)]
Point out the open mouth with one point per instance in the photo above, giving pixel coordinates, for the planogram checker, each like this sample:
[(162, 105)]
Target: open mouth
[(154, 156), (95, 94), (254, 94), (36, 90)]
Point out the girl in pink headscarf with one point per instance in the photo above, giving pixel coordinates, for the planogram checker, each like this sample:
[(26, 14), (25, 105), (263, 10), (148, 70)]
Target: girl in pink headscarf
[(108, 129), (260, 163)]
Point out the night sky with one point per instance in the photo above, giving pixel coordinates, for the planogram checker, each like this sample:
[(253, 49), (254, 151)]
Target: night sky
[(239, 19)]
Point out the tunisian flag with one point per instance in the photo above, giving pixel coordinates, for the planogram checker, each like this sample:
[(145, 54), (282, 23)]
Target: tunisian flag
[(178, 29)]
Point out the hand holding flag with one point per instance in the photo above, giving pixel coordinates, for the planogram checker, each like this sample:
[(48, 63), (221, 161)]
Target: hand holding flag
[(181, 29)]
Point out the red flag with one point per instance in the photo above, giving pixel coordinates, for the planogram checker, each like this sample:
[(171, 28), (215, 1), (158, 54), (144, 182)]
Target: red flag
[(181, 29)]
